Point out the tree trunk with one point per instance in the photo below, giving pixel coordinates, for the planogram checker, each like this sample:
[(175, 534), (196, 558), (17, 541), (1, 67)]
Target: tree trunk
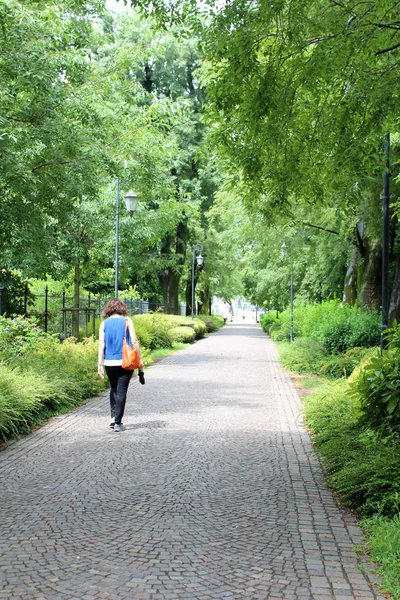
[(75, 313), (204, 302), (188, 296), (350, 282), (169, 280), (370, 295)]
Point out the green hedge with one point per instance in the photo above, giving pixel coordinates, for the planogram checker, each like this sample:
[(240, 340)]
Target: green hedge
[(212, 322), (185, 335)]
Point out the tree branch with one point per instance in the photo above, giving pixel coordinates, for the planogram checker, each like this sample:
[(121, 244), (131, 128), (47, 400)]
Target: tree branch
[(319, 227), (384, 50), (50, 164)]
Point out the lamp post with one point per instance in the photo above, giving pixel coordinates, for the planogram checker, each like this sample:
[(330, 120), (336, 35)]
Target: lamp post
[(197, 248), (1, 292), (385, 242), (131, 200), (284, 249)]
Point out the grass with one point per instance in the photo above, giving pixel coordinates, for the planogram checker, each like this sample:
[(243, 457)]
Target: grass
[(384, 548), (163, 352)]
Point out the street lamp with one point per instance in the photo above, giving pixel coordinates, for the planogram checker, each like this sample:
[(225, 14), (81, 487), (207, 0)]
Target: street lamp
[(197, 248), (131, 200), (284, 250), (385, 242)]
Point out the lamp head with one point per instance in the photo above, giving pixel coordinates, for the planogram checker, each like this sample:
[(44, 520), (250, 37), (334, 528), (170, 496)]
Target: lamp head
[(131, 200)]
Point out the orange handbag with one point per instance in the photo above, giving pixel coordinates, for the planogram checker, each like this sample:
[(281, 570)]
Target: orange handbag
[(130, 354)]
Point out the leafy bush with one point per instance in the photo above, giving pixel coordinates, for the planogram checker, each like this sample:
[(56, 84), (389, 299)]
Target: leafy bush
[(268, 319), (73, 365), (338, 328), (343, 365), (160, 339), (277, 333), (184, 335), (212, 322), (17, 335), (150, 324), (378, 386), (143, 331), (200, 328)]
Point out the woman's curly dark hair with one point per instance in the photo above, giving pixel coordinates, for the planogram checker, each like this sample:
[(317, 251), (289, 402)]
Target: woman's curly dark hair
[(115, 306)]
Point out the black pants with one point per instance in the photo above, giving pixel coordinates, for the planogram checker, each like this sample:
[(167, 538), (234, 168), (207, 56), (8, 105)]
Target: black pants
[(119, 381)]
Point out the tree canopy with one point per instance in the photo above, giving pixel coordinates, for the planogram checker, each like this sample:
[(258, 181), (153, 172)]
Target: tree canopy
[(240, 125)]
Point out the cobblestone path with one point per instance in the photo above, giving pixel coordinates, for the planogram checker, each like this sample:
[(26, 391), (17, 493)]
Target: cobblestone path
[(213, 492)]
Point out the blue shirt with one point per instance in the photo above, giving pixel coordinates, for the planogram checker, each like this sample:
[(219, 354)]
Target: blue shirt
[(114, 328)]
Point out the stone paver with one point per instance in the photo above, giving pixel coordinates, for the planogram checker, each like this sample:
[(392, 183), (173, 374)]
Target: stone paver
[(213, 492)]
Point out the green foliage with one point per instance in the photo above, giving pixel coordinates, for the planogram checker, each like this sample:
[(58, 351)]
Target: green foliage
[(378, 386), (18, 335), (363, 468), (72, 364), (143, 331), (338, 328), (268, 319), (185, 335), (304, 355), (307, 355), (21, 398), (160, 339), (59, 377), (370, 482), (383, 545), (211, 322)]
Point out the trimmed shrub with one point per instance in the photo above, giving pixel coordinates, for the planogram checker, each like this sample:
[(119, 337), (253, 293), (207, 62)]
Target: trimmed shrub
[(160, 339), (212, 322), (143, 331), (185, 335), (200, 328)]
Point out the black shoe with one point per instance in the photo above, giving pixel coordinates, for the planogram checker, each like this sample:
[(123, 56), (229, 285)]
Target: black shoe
[(141, 377)]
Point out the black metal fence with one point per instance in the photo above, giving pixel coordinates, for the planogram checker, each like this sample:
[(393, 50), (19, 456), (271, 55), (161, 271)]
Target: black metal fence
[(54, 311)]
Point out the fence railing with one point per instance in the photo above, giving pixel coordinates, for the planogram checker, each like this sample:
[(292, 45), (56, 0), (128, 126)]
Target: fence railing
[(54, 311)]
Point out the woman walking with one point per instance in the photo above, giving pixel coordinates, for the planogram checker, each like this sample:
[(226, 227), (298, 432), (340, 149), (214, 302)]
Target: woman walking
[(111, 336)]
